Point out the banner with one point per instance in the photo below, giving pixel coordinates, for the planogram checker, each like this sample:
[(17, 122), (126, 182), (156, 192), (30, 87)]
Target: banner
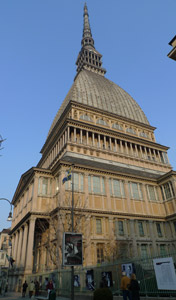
[(72, 249), (165, 273)]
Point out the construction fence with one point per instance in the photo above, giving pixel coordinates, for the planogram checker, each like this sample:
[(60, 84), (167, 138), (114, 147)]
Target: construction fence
[(86, 280)]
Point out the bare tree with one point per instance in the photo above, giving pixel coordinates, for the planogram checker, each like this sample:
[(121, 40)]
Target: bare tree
[(50, 231), (1, 141)]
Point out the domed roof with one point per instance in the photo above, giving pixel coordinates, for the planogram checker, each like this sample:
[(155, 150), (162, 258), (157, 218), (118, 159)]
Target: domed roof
[(95, 90)]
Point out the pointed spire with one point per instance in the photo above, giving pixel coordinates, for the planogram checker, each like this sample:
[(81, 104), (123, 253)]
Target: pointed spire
[(87, 35), (89, 58)]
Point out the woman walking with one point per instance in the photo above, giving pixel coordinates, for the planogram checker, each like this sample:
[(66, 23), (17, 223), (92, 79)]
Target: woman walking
[(134, 287)]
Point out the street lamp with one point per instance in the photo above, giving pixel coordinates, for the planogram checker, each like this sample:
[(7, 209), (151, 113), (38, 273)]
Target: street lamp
[(10, 213)]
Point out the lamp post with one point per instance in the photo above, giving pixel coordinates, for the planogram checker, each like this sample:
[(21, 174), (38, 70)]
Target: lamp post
[(10, 213)]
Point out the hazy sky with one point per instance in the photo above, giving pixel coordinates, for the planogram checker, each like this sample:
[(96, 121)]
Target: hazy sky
[(39, 44)]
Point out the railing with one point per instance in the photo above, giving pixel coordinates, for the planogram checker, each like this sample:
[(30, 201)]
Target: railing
[(144, 270)]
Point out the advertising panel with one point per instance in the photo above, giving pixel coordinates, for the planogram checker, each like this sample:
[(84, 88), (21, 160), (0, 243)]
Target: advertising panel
[(72, 249)]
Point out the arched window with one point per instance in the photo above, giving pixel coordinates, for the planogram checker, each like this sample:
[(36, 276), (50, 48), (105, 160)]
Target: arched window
[(86, 118), (102, 122), (131, 130), (144, 134), (117, 126)]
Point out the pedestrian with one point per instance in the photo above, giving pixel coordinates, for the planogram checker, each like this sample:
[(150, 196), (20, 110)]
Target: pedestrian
[(134, 287), (103, 282), (37, 288), (24, 288), (31, 289), (125, 283), (49, 287)]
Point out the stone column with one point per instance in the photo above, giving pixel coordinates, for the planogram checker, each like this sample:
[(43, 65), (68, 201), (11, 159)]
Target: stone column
[(16, 245), (136, 149), (24, 245), (19, 248), (74, 135), (115, 145), (93, 139), (126, 147), (81, 135), (68, 134), (99, 140), (121, 148), (110, 143), (131, 149), (29, 257), (13, 244), (104, 142), (87, 137)]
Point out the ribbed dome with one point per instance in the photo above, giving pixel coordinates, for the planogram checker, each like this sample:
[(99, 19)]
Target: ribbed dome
[(97, 91)]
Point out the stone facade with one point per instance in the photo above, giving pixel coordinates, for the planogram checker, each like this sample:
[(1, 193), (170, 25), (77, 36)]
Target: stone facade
[(124, 185)]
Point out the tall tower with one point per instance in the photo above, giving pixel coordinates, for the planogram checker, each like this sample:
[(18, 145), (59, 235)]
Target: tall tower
[(124, 185)]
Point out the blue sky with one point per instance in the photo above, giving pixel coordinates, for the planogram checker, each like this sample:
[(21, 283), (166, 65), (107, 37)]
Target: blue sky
[(39, 44)]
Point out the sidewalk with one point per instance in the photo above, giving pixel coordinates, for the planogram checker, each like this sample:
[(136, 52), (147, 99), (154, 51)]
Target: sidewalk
[(17, 296)]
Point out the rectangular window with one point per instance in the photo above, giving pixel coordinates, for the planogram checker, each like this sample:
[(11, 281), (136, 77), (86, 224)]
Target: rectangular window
[(120, 226), (144, 251), (135, 190), (76, 182), (81, 183), (98, 226), (103, 186), (141, 229), (89, 184), (167, 190), (158, 227), (2, 256), (45, 186), (110, 186), (151, 192), (163, 250), (116, 188), (96, 185), (100, 253)]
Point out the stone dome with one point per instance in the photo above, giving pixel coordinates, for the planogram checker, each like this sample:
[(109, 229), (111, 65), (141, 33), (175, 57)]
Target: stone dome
[(95, 90)]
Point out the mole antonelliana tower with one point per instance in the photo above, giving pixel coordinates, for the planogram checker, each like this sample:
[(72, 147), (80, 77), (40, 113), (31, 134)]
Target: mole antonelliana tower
[(124, 186)]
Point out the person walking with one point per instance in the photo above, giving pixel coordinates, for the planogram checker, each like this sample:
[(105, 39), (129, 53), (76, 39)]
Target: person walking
[(125, 283), (31, 289), (24, 288), (134, 287), (49, 287)]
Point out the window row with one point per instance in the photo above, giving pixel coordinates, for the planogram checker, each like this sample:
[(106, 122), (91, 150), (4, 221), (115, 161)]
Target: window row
[(97, 185)]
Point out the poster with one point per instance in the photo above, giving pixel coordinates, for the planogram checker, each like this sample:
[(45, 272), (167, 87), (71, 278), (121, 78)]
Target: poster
[(90, 280), (76, 281), (128, 269), (165, 273), (72, 249), (108, 277)]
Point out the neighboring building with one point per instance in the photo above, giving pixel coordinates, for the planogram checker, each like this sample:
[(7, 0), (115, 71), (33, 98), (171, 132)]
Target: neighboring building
[(172, 53), (5, 252), (124, 185), (5, 247)]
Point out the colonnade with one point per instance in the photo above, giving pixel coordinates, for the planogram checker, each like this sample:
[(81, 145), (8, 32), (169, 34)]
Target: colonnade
[(22, 245), (107, 143)]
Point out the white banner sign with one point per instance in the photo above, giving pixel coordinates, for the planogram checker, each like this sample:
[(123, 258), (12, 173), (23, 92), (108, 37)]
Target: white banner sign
[(165, 273)]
